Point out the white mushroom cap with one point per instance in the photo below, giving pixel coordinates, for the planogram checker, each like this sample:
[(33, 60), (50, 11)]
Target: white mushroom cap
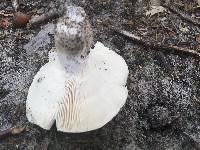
[(82, 101)]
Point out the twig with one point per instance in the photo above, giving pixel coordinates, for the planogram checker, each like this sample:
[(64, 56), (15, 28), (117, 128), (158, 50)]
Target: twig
[(44, 18), (155, 45), (182, 14), (52, 14), (2, 13), (11, 131)]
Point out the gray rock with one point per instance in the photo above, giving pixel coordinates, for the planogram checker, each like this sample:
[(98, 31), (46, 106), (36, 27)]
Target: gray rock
[(42, 39)]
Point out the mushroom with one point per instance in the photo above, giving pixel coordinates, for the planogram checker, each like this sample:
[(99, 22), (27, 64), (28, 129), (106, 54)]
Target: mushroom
[(80, 88)]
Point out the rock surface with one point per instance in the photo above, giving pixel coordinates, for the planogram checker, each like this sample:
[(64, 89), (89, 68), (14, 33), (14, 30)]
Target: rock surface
[(163, 106)]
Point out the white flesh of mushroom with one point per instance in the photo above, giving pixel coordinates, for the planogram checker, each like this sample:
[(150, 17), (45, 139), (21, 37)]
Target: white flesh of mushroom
[(78, 94), (79, 101)]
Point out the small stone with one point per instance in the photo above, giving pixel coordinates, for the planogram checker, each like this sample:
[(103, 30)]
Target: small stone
[(20, 19)]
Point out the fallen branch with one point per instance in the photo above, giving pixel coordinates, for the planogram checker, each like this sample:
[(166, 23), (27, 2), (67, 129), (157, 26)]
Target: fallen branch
[(11, 131), (182, 14), (155, 45), (52, 14), (44, 18)]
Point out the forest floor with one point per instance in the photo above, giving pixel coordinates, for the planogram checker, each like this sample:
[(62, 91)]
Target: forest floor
[(162, 111)]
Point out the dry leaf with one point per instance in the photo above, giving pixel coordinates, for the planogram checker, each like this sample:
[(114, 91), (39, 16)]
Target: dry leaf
[(155, 10), (197, 38), (17, 130), (171, 33), (131, 23), (198, 1), (4, 23)]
